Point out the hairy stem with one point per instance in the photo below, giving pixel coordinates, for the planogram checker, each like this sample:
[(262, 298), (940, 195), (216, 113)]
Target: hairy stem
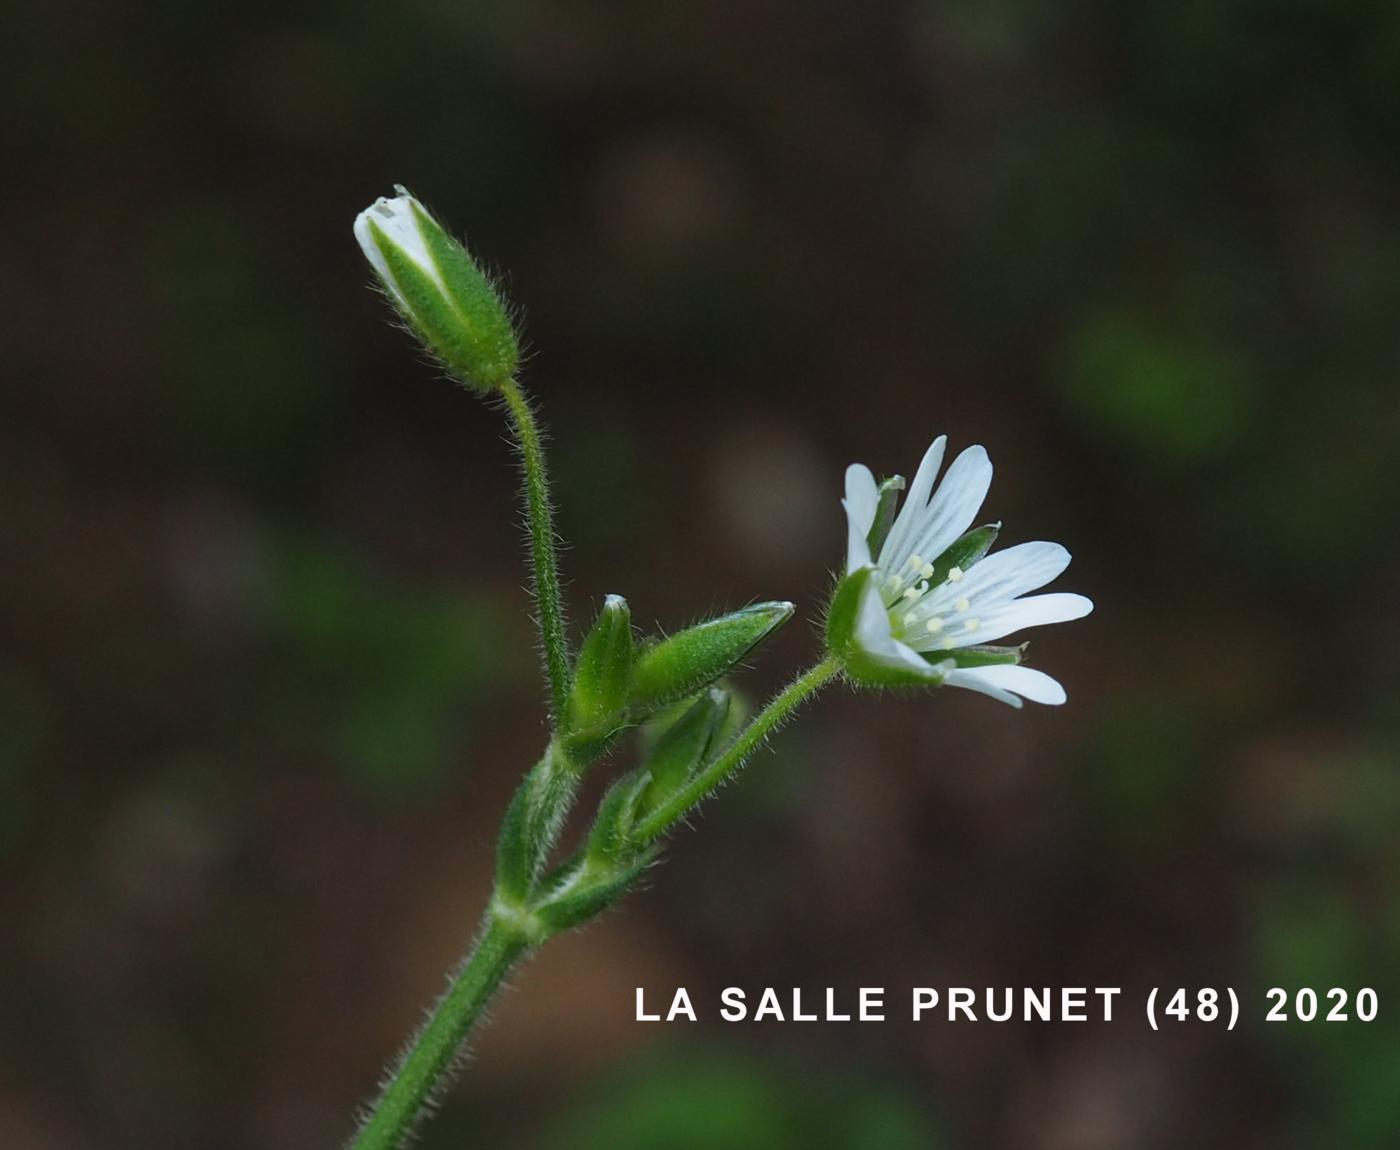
[(431, 1056), (539, 514), (510, 930), (778, 711)]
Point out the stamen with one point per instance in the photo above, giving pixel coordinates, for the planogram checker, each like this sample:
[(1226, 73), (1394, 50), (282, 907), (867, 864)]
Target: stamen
[(934, 625), (962, 605), (948, 644), (912, 593), (972, 624), (955, 574), (926, 571), (915, 562), (909, 619)]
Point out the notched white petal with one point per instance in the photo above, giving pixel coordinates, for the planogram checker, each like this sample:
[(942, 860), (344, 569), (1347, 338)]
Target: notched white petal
[(1036, 611), (915, 504), (955, 504), (1015, 571), (997, 681), (861, 503)]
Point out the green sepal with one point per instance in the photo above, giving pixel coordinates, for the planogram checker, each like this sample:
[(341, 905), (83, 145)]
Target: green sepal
[(888, 494), (863, 671), (462, 321), (616, 813), (860, 668), (689, 660), (966, 550), (602, 679), (844, 611), (583, 892), (986, 656), (685, 745)]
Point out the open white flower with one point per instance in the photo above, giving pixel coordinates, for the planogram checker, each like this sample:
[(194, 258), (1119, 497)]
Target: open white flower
[(931, 599)]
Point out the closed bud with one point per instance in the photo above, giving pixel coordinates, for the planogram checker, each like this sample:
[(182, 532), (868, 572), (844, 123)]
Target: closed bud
[(685, 745), (694, 658), (602, 675), (439, 290)]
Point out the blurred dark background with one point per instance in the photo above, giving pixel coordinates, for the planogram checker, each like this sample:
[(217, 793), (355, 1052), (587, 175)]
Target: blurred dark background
[(266, 672)]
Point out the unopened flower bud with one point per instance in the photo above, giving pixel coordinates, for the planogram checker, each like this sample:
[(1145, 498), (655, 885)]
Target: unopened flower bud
[(603, 675), (439, 290), (694, 658)]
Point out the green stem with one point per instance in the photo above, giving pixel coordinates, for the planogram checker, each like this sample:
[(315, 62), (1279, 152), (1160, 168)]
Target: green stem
[(778, 711), (549, 598), (434, 1050)]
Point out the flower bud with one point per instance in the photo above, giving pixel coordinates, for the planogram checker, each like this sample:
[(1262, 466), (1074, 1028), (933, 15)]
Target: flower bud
[(438, 289), (694, 658), (603, 674), (685, 745)]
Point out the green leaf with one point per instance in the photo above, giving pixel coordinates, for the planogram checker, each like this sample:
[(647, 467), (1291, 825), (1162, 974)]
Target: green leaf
[(692, 659)]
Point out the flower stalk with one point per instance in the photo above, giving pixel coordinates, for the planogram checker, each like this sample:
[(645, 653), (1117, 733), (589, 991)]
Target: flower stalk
[(544, 563)]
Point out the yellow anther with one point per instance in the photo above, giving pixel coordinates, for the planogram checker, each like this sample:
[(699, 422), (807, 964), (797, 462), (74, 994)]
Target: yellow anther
[(926, 571), (948, 644), (934, 625), (915, 562), (912, 593), (972, 624), (909, 619), (955, 574), (962, 605)]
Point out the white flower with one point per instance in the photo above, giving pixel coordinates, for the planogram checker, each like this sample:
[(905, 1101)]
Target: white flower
[(921, 614), (398, 221)]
